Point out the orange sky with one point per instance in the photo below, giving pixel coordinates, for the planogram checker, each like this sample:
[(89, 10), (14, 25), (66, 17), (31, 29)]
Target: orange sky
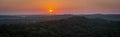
[(76, 6)]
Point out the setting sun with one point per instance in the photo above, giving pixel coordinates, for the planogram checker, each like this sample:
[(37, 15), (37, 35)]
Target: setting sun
[(50, 11)]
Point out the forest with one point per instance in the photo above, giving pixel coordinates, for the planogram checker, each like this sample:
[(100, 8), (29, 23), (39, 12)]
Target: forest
[(74, 26)]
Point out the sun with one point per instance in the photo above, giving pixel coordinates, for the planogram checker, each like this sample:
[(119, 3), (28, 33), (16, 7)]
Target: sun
[(50, 10)]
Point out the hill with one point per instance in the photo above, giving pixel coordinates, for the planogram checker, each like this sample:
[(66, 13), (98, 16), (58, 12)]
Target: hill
[(75, 26)]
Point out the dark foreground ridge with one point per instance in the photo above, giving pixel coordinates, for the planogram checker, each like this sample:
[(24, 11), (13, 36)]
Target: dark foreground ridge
[(76, 26)]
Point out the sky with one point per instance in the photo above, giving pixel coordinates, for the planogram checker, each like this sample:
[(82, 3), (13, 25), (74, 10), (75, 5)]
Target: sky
[(59, 6)]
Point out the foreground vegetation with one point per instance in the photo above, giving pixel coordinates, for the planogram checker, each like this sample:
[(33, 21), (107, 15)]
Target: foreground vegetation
[(75, 26)]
